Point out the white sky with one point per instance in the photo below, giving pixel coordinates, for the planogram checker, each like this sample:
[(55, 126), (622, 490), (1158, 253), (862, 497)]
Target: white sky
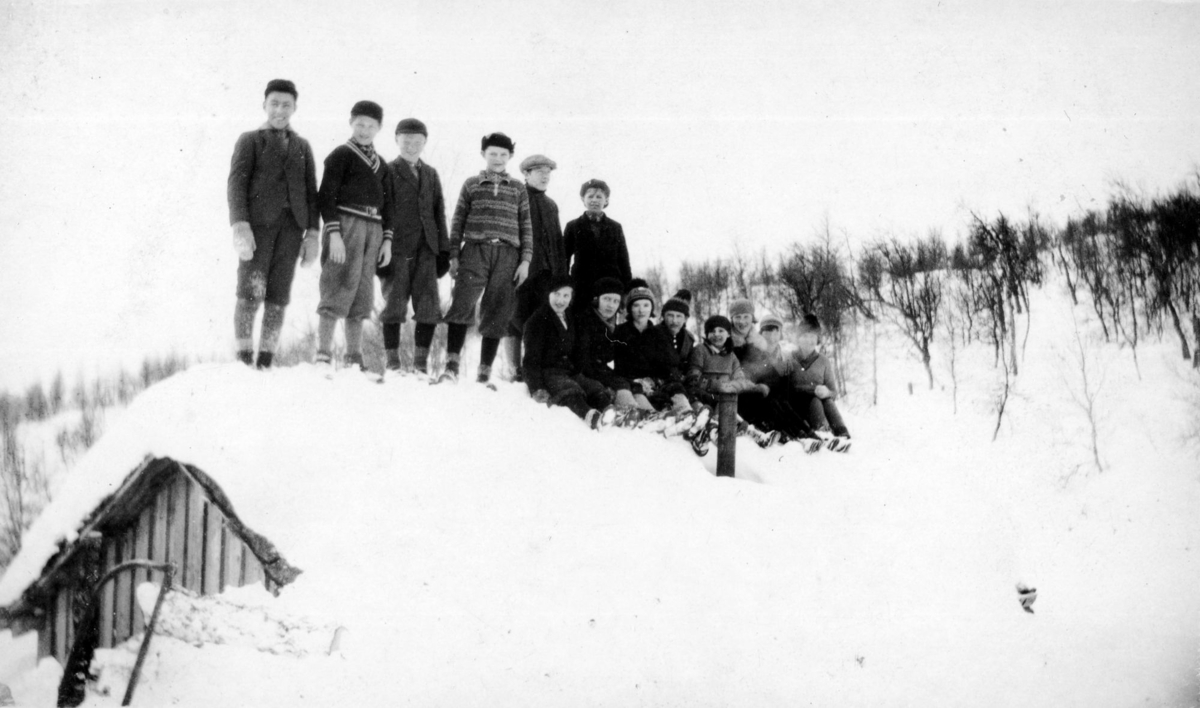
[(715, 123)]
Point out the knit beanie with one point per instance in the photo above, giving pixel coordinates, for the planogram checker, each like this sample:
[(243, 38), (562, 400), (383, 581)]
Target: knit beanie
[(741, 306), (411, 126), (718, 321), (607, 286), (595, 184), (769, 321), (281, 86), (680, 302), (499, 140), (369, 109), (559, 282), (639, 290)]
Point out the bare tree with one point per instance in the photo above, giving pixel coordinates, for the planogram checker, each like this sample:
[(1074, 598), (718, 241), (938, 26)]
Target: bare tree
[(1084, 385), (907, 279)]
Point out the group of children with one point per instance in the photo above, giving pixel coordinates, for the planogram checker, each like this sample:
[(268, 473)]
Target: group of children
[(555, 293)]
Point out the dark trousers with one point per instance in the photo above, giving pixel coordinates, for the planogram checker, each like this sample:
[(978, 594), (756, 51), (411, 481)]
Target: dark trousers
[(268, 275), (576, 392)]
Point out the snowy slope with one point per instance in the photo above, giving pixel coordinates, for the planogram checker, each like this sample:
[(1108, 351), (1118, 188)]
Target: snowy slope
[(482, 550)]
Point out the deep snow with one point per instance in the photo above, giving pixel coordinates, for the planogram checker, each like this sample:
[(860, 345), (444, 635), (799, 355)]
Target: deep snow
[(482, 550)]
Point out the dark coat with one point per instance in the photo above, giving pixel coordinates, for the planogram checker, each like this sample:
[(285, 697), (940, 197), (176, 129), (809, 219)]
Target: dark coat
[(264, 180), (549, 347), (420, 209), (684, 342), (645, 354), (594, 350), (549, 251), (804, 374), (596, 257)]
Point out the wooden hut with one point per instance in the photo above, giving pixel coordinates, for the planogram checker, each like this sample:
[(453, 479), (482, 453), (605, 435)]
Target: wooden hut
[(165, 511)]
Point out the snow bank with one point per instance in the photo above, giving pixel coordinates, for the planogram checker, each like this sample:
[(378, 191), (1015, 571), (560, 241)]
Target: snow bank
[(480, 549)]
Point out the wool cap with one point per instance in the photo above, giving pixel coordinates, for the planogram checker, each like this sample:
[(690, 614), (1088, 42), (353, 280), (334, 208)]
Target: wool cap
[(595, 184), (769, 321), (741, 306), (535, 161), (718, 321), (281, 86), (607, 286), (369, 109), (499, 140), (411, 126), (679, 304), (559, 282), (639, 291)]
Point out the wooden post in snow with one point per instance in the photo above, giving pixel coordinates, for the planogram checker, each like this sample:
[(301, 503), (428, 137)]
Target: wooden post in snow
[(726, 434)]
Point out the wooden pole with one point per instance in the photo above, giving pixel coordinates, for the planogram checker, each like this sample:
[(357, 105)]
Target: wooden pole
[(726, 434)]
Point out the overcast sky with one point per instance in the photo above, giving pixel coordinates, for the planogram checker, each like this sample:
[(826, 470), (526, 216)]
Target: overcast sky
[(714, 123)]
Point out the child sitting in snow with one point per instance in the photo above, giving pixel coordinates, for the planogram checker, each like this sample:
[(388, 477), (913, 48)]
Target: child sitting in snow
[(808, 385), (594, 351), (645, 356), (549, 362), (714, 368)]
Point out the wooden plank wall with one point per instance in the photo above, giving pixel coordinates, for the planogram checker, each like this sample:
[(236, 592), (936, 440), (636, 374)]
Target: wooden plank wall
[(181, 526)]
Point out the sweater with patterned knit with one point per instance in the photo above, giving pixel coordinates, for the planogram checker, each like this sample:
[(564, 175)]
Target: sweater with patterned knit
[(492, 205)]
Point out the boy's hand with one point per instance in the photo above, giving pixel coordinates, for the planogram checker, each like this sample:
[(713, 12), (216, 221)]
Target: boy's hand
[(762, 389), (453, 268), (724, 387), (311, 248), (243, 240), (337, 249), (822, 391), (541, 396), (522, 273), (385, 253)]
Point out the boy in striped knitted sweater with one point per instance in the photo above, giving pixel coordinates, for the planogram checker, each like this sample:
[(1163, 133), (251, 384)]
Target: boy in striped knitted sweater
[(491, 244)]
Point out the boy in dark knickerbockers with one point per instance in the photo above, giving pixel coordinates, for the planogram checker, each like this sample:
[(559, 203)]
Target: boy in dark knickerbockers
[(272, 195), (356, 205)]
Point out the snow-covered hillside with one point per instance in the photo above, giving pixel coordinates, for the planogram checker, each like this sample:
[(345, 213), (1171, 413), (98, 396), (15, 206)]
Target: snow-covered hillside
[(483, 550)]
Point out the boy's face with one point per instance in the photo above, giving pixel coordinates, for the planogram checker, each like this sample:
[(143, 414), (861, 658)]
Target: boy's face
[(640, 310), (411, 145), (607, 305), (279, 107), (364, 129), (772, 334), (742, 321), (538, 178), (806, 341), (560, 299), (718, 336), (496, 158), (595, 201), (675, 321)]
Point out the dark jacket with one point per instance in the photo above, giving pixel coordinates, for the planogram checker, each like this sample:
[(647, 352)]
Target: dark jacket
[(355, 184), (549, 346), (645, 354), (264, 180), (684, 342), (549, 252), (594, 350), (420, 209), (595, 256), (710, 366), (804, 374)]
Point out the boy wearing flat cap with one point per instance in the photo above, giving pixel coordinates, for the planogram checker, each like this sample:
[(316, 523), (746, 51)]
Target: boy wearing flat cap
[(597, 244), (272, 195), (356, 205), (549, 259), (491, 245), (420, 248)]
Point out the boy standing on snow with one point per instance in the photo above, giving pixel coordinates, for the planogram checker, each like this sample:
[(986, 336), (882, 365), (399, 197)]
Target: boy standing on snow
[(597, 244), (356, 205), (421, 250), (272, 194), (492, 236), (549, 259)]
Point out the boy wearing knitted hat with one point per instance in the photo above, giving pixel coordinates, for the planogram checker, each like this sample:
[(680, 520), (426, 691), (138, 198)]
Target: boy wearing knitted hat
[(421, 250), (596, 243), (491, 245), (549, 260), (645, 356), (272, 194), (713, 369), (356, 205), (594, 350), (675, 313)]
